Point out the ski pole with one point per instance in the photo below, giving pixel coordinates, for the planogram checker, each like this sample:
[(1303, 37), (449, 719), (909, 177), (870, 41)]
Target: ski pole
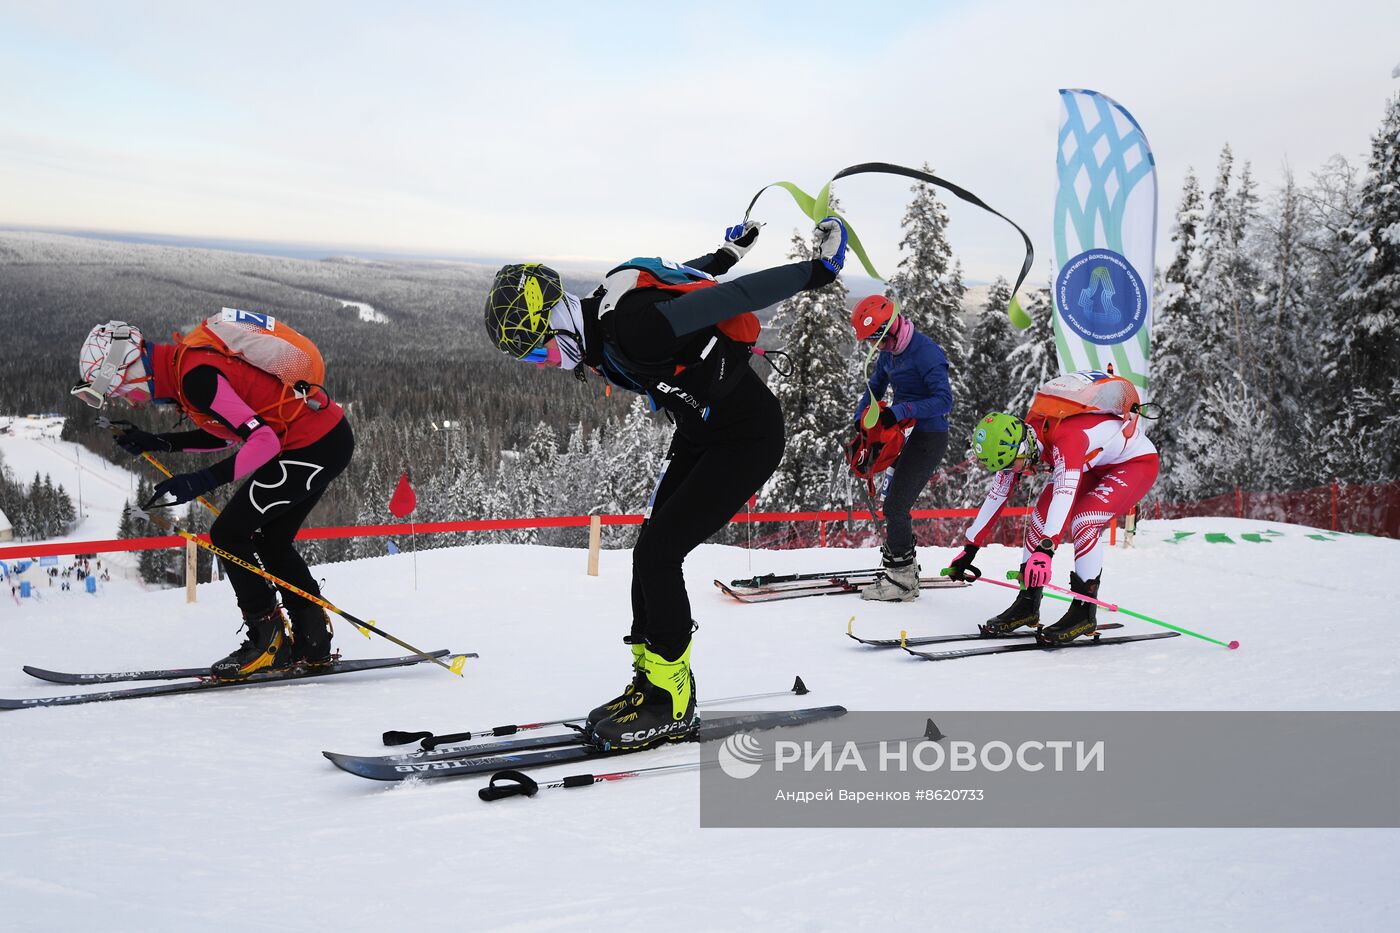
[(505, 784), (109, 424), (1109, 606), (150, 458), (431, 741), (364, 627), (768, 579)]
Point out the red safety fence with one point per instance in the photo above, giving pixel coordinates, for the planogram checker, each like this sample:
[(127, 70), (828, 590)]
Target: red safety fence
[(1371, 508), (824, 528)]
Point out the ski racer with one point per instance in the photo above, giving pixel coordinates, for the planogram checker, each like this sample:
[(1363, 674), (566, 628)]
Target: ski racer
[(289, 444), (1101, 465), (682, 339), (917, 369)]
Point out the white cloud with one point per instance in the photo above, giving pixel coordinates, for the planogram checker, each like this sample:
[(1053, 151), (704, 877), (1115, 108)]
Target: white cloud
[(587, 131)]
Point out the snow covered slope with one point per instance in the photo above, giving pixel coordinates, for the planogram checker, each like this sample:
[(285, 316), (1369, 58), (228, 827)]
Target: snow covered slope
[(164, 814), (31, 445)]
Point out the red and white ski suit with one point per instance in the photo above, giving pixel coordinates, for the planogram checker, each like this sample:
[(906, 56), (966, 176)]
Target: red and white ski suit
[(1097, 474)]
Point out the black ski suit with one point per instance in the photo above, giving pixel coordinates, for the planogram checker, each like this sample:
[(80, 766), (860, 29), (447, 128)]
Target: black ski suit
[(722, 452)]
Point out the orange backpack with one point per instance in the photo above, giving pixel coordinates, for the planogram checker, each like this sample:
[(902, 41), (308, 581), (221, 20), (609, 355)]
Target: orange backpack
[(1087, 392), (264, 342)]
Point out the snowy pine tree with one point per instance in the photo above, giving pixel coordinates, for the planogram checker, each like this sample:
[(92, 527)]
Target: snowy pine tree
[(1034, 361), (1224, 350), (1175, 373), (817, 395), (929, 282), (1288, 331), (1224, 277), (1368, 335), (985, 385)]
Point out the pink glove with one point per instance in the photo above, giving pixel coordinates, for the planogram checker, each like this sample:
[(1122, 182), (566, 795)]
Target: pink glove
[(1038, 567)]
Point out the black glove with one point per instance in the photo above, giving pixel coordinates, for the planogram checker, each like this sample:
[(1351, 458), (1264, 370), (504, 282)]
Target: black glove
[(182, 487), (136, 441), (887, 418), (961, 568)]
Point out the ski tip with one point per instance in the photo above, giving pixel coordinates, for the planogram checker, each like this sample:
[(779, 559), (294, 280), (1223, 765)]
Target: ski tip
[(799, 688), (850, 625), (903, 639), (932, 732), (457, 664), (1233, 645)]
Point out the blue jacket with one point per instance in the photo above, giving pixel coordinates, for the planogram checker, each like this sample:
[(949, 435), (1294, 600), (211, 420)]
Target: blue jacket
[(920, 379)]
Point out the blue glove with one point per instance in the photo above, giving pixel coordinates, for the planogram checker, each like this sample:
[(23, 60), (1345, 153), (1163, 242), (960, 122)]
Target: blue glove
[(182, 487), (740, 238), (831, 247)]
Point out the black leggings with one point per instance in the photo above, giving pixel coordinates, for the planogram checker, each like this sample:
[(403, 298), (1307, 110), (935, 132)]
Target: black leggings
[(922, 453), (710, 471), (262, 519)]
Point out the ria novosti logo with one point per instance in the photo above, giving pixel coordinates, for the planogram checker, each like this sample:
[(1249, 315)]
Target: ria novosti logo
[(740, 756)]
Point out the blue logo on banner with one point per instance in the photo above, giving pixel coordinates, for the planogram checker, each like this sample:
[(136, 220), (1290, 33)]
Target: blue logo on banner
[(1101, 297)]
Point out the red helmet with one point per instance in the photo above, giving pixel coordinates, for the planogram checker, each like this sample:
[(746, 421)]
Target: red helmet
[(871, 317)]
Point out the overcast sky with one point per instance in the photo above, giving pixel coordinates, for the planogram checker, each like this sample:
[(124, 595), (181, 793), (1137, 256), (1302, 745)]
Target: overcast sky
[(601, 131)]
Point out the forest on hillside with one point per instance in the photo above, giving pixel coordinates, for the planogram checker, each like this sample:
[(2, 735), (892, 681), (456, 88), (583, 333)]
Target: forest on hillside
[(1275, 357)]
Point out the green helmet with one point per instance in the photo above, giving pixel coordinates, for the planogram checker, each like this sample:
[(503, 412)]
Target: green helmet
[(1000, 439), (518, 306)]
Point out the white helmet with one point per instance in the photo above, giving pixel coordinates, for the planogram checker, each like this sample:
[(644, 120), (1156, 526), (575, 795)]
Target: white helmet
[(109, 363)]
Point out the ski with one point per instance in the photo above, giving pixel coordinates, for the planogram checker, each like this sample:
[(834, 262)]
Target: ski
[(428, 741), (834, 586), (508, 783), (379, 769), (255, 680), (1034, 646), (904, 641), (115, 677)]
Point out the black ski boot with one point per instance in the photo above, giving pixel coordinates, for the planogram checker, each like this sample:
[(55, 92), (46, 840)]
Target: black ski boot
[(311, 637), (619, 702), (1024, 611), (662, 709), (264, 648), (1080, 620)]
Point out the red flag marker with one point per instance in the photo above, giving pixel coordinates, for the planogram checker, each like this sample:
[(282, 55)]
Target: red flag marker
[(403, 501)]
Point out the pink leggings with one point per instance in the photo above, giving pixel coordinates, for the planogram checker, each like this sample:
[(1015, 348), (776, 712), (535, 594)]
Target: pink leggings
[(1104, 493)]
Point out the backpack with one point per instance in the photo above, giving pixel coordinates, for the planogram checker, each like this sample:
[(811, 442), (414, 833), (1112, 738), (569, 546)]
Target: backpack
[(267, 344), (873, 451), (262, 341), (678, 279), (1087, 392)]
